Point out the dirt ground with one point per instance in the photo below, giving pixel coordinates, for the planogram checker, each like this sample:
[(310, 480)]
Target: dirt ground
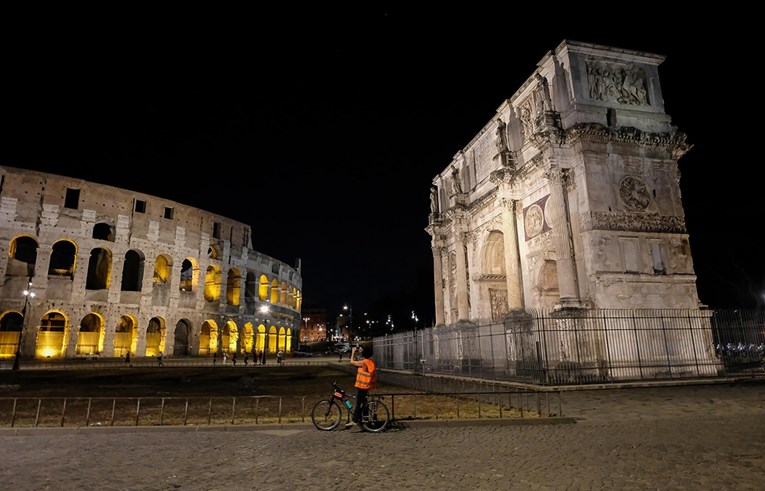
[(296, 385), (174, 381)]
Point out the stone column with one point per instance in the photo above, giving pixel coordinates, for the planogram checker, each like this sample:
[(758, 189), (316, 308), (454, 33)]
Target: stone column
[(461, 287), (446, 287), (512, 266), (561, 230), (438, 284)]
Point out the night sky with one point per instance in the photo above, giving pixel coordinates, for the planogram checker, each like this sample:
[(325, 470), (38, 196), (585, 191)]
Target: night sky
[(323, 129)]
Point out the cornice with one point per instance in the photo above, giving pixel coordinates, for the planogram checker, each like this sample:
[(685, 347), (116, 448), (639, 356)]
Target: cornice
[(674, 141), (632, 222)]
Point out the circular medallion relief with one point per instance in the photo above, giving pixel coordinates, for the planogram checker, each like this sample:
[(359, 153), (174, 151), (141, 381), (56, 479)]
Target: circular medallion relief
[(534, 220), (634, 193)]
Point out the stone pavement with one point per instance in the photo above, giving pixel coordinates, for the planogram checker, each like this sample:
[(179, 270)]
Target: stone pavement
[(688, 437)]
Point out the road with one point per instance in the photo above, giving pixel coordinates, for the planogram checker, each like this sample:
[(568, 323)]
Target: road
[(674, 438)]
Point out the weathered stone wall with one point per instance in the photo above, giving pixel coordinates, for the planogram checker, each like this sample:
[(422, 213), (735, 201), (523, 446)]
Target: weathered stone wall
[(34, 205), (575, 180)]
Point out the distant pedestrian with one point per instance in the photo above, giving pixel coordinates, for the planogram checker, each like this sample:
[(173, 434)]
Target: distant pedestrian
[(159, 359), (233, 359), (280, 357), (225, 357), (246, 357), (127, 359), (215, 358), (263, 357)]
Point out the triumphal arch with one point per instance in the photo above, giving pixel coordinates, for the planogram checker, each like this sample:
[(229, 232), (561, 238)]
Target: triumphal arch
[(568, 200)]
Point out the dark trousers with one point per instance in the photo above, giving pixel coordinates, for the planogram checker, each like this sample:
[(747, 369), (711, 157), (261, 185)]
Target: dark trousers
[(361, 401)]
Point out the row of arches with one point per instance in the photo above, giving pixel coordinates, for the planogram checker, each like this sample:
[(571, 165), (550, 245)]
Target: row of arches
[(63, 263), (56, 337)]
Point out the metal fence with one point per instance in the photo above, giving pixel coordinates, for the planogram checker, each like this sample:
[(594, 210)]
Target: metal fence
[(571, 347), (51, 412)]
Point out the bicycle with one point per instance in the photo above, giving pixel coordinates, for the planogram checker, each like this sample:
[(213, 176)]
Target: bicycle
[(328, 413)]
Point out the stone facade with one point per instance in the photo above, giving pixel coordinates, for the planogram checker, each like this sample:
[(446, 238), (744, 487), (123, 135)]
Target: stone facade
[(112, 271), (568, 197)]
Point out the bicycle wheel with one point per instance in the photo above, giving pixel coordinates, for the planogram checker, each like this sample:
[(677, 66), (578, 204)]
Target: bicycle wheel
[(377, 417), (326, 415)]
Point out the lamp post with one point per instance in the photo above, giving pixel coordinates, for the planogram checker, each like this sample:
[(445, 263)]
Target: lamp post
[(28, 293), (305, 336), (350, 318)]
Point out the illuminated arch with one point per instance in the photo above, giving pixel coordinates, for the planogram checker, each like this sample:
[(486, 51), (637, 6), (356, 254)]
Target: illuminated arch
[(208, 338), (189, 275), (233, 286), (260, 340), (155, 336), (162, 268), (283, 294), (213, 278), (247, 338), (90, 337), (274, 292), (52, 335), (11, 323), (125, 335), (263, 288), (272, 340), (298, 300), (229, 338)]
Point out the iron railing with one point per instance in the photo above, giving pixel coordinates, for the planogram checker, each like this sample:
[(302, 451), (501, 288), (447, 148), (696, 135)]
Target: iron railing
[(47, 412), (572, 347)]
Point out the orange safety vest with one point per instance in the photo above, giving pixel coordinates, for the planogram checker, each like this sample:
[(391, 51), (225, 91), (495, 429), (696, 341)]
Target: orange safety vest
[(366, 376)]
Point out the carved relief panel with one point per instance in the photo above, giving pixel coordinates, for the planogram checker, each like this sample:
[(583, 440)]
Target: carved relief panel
[(535, 218), (617, 82)]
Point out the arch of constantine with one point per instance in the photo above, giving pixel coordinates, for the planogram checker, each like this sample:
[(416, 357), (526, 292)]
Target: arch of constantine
[(95, 270), (567, 203)]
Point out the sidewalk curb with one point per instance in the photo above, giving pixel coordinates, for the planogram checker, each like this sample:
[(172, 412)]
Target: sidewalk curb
[(397, 424)]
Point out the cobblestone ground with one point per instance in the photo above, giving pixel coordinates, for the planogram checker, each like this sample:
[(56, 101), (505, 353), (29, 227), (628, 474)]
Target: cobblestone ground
[(669, 438)]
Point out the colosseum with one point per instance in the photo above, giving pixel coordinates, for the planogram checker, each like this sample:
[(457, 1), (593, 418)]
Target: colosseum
[(99, 271)]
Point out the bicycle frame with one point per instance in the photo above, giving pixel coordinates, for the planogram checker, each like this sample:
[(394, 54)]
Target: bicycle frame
[(327, 413)]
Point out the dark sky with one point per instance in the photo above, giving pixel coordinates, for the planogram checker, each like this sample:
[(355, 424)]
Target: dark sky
[(322, 128)]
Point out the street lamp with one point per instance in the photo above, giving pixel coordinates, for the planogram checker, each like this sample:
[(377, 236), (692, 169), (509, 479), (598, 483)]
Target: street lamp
[(28, 293), (350, 318)]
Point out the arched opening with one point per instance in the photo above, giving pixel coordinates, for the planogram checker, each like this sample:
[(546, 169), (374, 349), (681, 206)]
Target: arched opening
[(125, 336), (272, 340), (99, 269), (11, 324), (182, 338), (90, 336), (155, 337), (233, 286), (103, 231), (263, 288), (22, 257), (63, 258), (213, 278), (247, 340), (132, 271), (51, 335)]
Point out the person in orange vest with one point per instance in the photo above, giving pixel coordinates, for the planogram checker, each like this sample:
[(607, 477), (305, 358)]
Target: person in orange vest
[(366, 379)]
